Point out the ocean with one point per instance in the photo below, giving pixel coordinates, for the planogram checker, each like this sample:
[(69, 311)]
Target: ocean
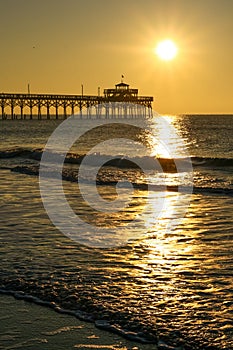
[(155, 270)]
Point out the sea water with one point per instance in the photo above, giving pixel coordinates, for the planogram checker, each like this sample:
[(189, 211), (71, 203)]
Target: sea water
[(166, 286)]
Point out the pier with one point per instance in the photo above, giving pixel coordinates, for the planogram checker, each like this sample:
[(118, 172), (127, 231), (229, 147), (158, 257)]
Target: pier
[(119, 102)]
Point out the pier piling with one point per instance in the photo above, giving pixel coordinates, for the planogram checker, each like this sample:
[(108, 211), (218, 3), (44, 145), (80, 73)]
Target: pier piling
[(114, 102)]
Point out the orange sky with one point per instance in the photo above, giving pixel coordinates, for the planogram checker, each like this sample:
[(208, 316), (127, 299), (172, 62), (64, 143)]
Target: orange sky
[(57, 45)]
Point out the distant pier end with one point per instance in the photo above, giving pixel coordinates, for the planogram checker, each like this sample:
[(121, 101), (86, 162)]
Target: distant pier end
[(119, 102)]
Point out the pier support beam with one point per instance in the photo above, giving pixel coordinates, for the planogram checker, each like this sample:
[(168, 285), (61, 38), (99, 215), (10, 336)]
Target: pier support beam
[(12, 109), (3, 110), (80, 109), (31, 110), (72, 109), (65, 114), (48, 111), (12, 113), (21, 112), (39, 111), (56, 112)]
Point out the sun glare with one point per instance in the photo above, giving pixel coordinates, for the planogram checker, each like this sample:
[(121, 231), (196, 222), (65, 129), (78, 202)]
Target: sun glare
[(166, 50)]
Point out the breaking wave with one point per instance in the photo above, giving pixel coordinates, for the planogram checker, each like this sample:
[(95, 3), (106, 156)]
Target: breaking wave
[(121, 161)]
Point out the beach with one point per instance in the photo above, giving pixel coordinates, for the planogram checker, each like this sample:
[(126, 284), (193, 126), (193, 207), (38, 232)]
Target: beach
[(169, 286), (25, 325), (116, 175)]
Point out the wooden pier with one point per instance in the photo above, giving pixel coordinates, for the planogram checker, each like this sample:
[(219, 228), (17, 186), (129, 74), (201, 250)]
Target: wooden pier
[(121, 101)]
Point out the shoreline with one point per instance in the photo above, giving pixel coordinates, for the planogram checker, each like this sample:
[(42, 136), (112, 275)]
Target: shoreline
[(26, 325)]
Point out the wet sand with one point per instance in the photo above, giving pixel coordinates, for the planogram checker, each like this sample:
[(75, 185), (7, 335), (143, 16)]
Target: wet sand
[(24, 325)]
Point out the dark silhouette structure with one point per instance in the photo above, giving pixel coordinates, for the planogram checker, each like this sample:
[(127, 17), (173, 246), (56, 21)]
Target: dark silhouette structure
[(119, 102)]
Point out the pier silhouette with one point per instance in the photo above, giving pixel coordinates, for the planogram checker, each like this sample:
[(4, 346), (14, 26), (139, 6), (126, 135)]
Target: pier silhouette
[(119, 102)]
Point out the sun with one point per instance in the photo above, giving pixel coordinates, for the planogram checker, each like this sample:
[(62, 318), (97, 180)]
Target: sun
[(166, 50)]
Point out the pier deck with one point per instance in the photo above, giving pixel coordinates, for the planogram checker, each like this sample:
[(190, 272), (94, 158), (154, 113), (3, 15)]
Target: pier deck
[(27, 106)]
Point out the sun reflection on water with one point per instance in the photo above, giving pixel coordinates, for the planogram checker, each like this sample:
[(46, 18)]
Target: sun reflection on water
[(165, 140)]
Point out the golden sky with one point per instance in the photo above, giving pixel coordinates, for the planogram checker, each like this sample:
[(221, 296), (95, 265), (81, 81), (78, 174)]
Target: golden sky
[(58, 45)]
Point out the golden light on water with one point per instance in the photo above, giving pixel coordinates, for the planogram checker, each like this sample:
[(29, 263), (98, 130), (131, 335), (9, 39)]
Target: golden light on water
[(165, 141), (166, 210)]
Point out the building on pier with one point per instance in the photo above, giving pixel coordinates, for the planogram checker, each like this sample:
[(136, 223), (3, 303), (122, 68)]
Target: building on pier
[(120, 102), (122, 92), (124, 102)]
